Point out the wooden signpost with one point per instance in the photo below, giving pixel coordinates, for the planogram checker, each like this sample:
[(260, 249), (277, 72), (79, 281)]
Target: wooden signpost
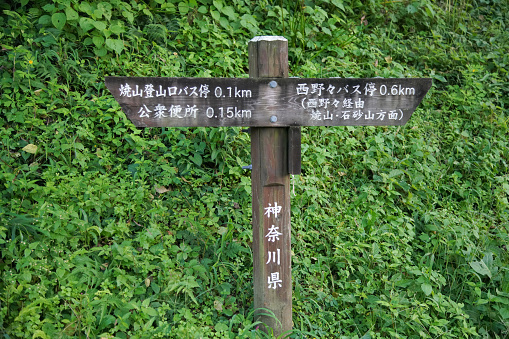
[(275, 107)]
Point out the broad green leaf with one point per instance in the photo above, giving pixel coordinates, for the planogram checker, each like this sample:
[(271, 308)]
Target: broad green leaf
[(146, 302), (71, 14), (349, 298), (100, 25), (98, 41), (115, 44), (40, 334), (155, 287), (98, 14), (426, 288), (117, 29), (86, 24), (100, 52), (150, 311), (128, 15), (215, 15), (106, 33), (49, 7), (481, 268), (105, 8), (183, 8), (45, 20), (412, 8), (504, 311), (338, 4), (58, 20), (218, 4), (230, 12), (395, 172), (438, 77), (26, 276), (221, 327), (197, 159), (60, 272), (147, 13), (85, 7)]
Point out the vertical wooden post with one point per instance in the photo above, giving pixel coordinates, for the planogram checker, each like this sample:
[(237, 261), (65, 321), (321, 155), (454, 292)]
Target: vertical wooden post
[(268, 58)]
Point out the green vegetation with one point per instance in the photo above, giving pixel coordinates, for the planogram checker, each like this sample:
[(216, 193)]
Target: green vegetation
[(109, 231)]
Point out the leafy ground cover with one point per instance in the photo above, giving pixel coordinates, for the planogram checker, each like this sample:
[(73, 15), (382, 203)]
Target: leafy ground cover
[(116, 232)]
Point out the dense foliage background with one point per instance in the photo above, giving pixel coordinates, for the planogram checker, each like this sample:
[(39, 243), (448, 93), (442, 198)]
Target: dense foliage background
[(116, 232)]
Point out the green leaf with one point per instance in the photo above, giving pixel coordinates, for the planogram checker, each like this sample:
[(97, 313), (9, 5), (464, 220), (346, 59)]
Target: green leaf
[(129, 16), (98, 41), (147, 12), (197, 159), (145, 303), (49, 7), (224, 23), (155, 288), (60, 272), (100, 52), (395, 172), (26, 276), (100, 25), (117, 29), (97, 14), (426, 288), (338, 4), (504, 311), (85, 7), (150, 311), (58, 20), (481, 268), (215, 15), (183, 8), (86, 24), (115, 44), (218, 4), (71, 14), (412, 9), (221, 327), (229, 11), (45, 20)]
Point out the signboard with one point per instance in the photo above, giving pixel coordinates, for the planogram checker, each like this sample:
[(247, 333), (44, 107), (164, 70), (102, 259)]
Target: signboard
[(277, 102), (269, 99)]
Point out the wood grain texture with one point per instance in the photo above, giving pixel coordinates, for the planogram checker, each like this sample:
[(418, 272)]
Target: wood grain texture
[(270, 180), (252, 102)]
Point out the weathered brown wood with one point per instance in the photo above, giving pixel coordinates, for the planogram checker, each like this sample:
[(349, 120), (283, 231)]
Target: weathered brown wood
[(294, 150), (271, 198), (267, 102)]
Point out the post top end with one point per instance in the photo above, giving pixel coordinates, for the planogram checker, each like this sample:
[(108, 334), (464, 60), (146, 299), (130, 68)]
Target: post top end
[(268, 38)]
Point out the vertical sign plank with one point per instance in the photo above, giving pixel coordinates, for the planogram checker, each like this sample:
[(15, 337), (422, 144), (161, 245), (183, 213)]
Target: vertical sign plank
[(268, 57)]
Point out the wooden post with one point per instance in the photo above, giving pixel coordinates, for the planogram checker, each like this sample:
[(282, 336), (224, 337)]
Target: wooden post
[(268, 58)]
